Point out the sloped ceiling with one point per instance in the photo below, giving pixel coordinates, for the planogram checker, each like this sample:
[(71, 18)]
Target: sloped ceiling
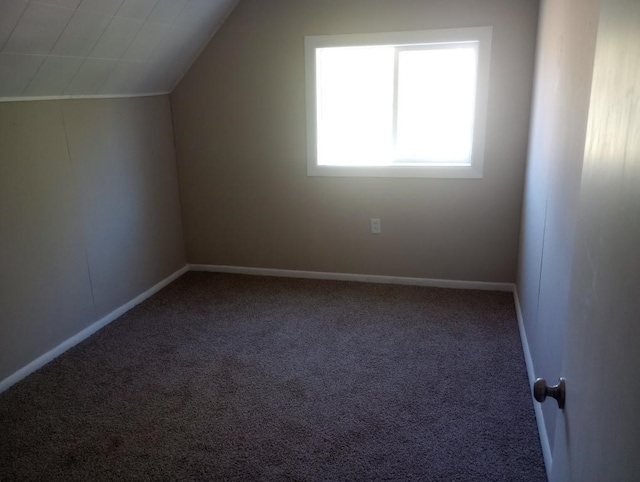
[(80, 48)]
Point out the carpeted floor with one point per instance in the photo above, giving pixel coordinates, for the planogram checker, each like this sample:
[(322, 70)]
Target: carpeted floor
[(228, 377)]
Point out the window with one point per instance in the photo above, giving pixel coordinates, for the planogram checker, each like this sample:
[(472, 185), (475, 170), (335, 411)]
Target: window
[(403, 104)]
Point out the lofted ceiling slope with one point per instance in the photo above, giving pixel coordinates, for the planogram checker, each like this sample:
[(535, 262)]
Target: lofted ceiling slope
[(86, 48)]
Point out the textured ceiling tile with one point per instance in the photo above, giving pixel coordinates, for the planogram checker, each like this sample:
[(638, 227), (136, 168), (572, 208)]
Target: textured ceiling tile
[(60, 3), (38, 29), (82, 33), (173, 58), (193, 41), (16, 71), (90, 77), (54, 76), (107, 7), (160, 77), (200, 12), (10, 13), (138, 9), (125, 79), (167, 11), (183, 45), (116, 38), (103, 47), (146, 42)]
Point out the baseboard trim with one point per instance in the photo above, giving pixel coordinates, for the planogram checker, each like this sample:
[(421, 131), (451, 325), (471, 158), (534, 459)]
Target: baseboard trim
[(542, 429), (365, 278), (86, 333), (94, 327)]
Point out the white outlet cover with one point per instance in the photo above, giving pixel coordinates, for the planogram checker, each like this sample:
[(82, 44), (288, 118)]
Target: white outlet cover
[(376, 227)]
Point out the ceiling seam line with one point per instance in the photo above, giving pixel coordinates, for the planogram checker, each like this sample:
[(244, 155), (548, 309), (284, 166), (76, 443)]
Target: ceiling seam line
[(35, 74), (66, 87), (84, 60), (4, 44), (44, 58), (171, 25), (73, 12), (73, 76), (118, 9), (121, 57), (150, 12)]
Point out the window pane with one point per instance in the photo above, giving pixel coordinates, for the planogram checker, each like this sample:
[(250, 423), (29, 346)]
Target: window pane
[(355, 106), (436, 104)]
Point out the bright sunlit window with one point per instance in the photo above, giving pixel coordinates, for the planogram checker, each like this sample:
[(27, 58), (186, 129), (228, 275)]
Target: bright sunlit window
[(405, 104)]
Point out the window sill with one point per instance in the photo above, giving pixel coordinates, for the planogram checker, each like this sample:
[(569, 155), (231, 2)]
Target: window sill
[(439, 172)]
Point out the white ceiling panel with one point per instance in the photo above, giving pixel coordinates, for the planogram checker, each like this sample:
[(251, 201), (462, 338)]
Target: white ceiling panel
[(16, 71), (167, 11), (53, 76), (116, 38), (138, 9), (90, 77), (81, 35), (106, 7), (10, 13), (146, 42), (61, 3), (126, 78), (160, 77), (181, 46), (198, 13), (73, 48), (38, 29)]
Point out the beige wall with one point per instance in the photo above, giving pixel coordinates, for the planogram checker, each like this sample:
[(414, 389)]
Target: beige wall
[(240, 130), (89, 216)]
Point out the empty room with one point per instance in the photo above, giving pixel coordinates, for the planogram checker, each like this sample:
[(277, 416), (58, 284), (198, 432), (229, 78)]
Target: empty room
[(320, 240)]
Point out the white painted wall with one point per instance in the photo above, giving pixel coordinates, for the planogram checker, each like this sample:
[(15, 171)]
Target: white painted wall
[(566, 45), (598, 434)]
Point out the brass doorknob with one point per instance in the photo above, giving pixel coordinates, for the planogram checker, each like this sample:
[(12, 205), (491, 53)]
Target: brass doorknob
[(541, 391)]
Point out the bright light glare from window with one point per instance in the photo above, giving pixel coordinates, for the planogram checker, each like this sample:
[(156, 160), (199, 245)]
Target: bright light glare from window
[(436, 101), (395, 105), (355, 105)]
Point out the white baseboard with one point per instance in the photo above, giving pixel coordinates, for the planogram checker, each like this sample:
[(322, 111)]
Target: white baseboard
[(429, 282), (86, 333), (94, 327), (542, 429), (365, 278)]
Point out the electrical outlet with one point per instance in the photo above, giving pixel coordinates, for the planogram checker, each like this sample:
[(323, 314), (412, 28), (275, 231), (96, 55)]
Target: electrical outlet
[(376, 228)]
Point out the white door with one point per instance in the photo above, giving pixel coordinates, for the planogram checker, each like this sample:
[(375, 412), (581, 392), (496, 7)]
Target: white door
[(598, 434)]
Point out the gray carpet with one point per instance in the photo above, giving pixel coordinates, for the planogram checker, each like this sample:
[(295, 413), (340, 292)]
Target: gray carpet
[(228, 377)]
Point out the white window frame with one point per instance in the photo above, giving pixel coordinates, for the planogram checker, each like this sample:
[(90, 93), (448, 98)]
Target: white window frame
[(412, 39)]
